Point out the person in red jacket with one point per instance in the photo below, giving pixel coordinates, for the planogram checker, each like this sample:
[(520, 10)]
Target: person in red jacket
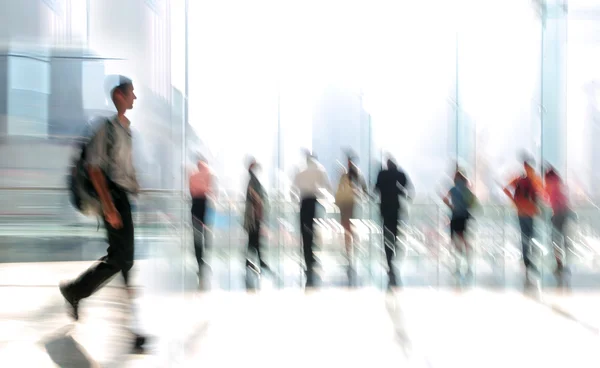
[(200, 190), (524, 191), (556, 195)]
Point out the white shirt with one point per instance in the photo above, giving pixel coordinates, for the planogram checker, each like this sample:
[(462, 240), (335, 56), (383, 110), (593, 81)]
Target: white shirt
[(311, 180)]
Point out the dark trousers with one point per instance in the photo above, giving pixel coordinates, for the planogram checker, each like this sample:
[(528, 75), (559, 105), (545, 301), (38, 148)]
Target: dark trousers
[(199, 222), (526, 225), (308, 209), (254, 242), (559, 236), (390, 233), (120, 252)]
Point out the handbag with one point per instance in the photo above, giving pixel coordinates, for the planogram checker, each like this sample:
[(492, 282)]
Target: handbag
[(345, 192)]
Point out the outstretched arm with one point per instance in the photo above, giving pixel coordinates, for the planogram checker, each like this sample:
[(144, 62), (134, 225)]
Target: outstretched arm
[(409, 188), (446, 200), (507, 191)]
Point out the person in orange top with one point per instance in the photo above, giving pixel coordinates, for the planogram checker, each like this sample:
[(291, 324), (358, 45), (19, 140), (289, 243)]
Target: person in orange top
[(200, 190), (557, 198), (526, 189)]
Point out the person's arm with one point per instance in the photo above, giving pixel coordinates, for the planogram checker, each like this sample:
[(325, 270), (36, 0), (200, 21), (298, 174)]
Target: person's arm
[(446, 200), (254, 194), (474, 200), (363, 184), (507, 191), (191, 182), (408, 188), (256, 199), (108, 207), (97, 163), (541, 190), (377, 187), (213, 189), (365, 188), (295, 187), (325, 182)]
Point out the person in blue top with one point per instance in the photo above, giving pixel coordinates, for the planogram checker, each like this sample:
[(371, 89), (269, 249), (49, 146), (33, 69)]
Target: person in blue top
[(460, 199)]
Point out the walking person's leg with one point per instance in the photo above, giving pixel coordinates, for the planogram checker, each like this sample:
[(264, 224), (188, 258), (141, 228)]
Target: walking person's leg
[(462, 247), (129, 252), (346, 212), (467, 246), (307, 214), (345, 215), (252, 248), (526, 225), (311, 216), (390, 230), (119, 258), (394, 228), (261, 259), (454, 243), (198, 218), (304, 234), (205, 220), (467, 251), (559, 239)]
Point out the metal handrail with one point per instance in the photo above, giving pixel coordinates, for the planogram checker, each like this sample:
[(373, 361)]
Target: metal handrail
[(589, 204)]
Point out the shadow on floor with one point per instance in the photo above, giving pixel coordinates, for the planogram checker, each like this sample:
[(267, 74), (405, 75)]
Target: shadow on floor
[(65, 352), (562, 284)]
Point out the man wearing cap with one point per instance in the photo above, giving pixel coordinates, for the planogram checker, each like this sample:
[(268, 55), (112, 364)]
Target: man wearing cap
[(111, 171)]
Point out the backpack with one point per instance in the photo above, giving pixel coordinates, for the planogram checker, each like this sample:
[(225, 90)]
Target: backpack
[(82, 193), (345, 191), (463, 201), (524, 190), (472, 201)]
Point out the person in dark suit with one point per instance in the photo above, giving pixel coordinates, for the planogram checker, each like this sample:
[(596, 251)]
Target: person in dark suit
[(392, 183)]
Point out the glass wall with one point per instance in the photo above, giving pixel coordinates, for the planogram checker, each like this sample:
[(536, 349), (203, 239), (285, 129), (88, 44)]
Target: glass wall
[(431, 88), (54, 57), (473, 83)]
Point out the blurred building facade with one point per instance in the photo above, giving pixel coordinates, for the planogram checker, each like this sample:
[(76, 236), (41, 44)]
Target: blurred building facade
[(270, 92), (341, 125), (53, 62)]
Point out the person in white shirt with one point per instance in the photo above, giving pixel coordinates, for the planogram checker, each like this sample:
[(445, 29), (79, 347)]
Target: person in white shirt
[(310, 184)]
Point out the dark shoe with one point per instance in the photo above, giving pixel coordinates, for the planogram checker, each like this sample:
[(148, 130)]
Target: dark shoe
[(204, 268), (352, 276), (393, 282), (532, 274), (138, 344), (250, 265), (264, 267), (310, 279), (73, 303)]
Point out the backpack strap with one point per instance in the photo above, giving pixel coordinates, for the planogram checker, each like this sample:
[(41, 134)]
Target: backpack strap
[(110, 136)]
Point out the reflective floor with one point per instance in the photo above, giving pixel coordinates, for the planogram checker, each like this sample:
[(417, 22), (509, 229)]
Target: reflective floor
[(176, 259), (414, 326)]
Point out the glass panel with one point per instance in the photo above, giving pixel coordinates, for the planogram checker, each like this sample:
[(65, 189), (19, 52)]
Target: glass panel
[(507, 118), (582, 153), (29, 87), (583, 112), (499, 97)]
